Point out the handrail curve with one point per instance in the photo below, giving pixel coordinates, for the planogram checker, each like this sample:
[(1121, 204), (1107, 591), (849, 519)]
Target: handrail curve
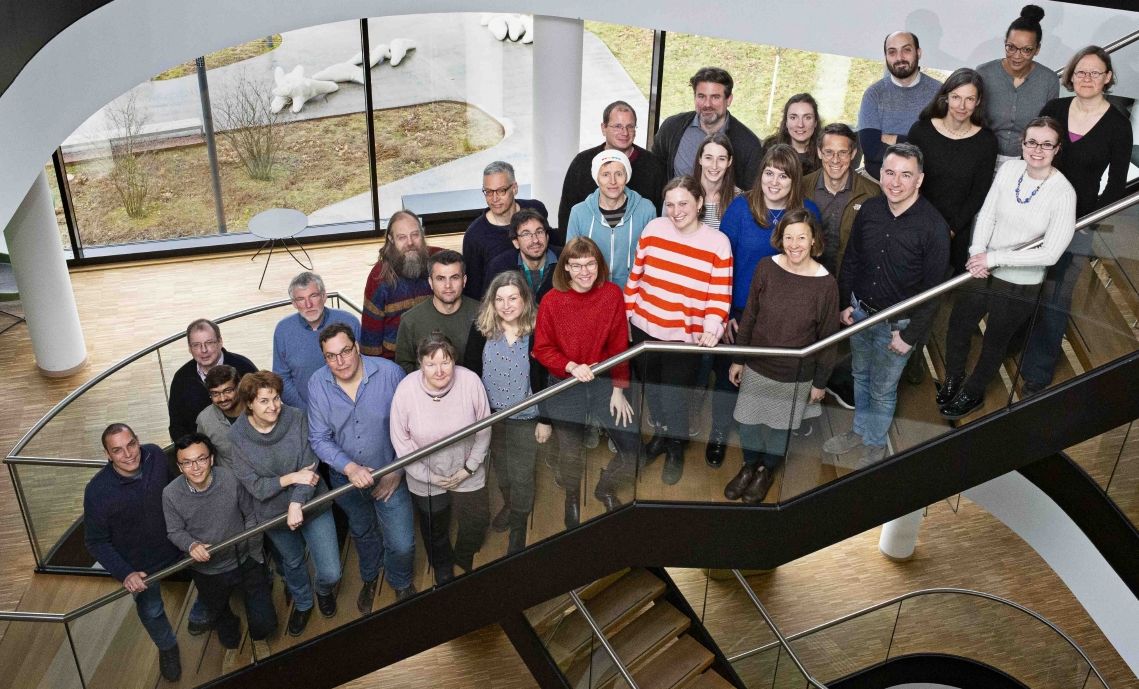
[(536, 398), (915, 594), (600, 634)]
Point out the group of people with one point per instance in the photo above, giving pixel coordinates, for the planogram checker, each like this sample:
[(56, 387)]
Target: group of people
[(712, 236)]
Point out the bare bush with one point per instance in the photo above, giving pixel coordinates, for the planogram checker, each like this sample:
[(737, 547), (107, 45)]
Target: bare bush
[(246, 122), (130, 165)]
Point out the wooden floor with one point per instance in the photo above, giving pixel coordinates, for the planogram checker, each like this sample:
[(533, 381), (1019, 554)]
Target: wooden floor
[(125, 307)]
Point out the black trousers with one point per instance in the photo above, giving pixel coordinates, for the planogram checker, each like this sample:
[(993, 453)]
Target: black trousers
[(471, 509), (1008, 305), (251, 578), (668, 378)]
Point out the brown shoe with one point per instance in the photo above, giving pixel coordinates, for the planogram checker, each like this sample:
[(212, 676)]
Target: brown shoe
[(757, 489), (367, 596), (737, 485)]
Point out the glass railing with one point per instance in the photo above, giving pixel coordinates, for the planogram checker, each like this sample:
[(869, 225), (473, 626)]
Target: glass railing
[(569, 489), (966, 624), (1112, 461)]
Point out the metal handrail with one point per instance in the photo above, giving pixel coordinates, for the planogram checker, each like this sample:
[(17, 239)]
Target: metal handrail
[(1115, 45), (588, 616), (781, 640), (925, 592), (557, 388), (131, 358)]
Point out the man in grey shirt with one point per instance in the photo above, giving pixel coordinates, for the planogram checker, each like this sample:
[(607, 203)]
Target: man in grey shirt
[(225, 407)]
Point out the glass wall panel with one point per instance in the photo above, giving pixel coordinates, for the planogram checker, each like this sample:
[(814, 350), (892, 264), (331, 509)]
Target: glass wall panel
[(621, 58), (37, 654)]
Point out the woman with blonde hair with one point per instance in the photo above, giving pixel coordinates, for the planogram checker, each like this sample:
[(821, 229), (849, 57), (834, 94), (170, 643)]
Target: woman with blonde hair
[(500, 351)]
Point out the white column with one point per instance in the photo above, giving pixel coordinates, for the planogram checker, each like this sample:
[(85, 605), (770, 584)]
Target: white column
[(900, 537), (45, 285), (557, 104)]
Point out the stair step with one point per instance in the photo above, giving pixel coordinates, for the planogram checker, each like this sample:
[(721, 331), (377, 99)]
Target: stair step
[(612, 607), (647, 633), (710, 680), (672, 667), (544, 617)]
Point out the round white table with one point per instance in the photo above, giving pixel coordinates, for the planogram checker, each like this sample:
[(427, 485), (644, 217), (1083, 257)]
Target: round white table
[(279, 225)]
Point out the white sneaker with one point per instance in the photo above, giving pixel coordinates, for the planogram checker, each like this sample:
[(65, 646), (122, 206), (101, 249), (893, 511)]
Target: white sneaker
[(841, 444)]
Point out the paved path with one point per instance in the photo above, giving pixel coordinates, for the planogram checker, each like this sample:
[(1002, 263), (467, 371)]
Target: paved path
[(457, 59)]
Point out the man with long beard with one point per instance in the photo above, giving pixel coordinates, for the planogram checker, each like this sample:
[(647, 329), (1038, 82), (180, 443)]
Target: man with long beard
[(891, 105), (397, 282)]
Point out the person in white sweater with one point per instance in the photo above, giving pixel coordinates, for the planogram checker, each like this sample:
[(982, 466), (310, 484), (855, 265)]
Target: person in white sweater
[(1030, 201), (429, 404)]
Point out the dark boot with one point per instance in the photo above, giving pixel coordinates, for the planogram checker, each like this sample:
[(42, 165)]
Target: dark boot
[(673, 463), (606, 490), (742, 480), (573, 507), (502, 520), (949, 389), (717, 448), (517, 540), (755, 492), (656, 446)]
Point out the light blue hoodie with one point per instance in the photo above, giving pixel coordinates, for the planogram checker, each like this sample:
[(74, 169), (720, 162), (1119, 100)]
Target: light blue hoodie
[(618, 244)]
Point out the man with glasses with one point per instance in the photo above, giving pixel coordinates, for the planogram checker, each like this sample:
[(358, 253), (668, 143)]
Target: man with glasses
[(348, 428), (226, 407), (448, 311), (207, 505), (487, 236), (680, 135), (839, 193), (533, 256), (188, 394), (296, 350), (125, 531), (619, 127)]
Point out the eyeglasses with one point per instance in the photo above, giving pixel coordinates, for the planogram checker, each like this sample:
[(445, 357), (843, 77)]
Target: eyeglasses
[(495, 193), (630, 128), (304, 300), (527, 236), (342, 355), (1033, 144), (195, 462), (204, 346), (1026, 50), (840, 155), (224, 392), (588, 266), (1084, 74)]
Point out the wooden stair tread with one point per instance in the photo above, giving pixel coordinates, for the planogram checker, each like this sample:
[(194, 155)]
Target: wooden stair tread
[(637, 641), (616, 604), (710, 679), (673, 666), (544, 617)]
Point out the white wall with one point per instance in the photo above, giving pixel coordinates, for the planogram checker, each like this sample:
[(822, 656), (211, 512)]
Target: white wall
[(127, 41)]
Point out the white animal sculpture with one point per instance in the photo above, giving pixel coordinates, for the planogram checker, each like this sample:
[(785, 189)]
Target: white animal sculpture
[(516, 27), (295, 87), (527, 28), (376, 55), (341, 72), (401, 47)]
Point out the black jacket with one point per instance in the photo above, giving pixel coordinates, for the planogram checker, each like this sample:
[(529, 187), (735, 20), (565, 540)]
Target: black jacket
[(747, 151), (648, 180)]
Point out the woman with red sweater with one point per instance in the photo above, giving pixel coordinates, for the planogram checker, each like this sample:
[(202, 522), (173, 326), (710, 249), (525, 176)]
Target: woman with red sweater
[(581, 322)]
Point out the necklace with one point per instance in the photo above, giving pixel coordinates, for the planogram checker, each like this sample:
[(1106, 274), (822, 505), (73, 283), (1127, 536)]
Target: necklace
[(1032, 195), (776, 215)]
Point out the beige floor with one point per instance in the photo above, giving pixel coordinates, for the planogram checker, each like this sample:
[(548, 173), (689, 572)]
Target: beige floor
[(124, 307)]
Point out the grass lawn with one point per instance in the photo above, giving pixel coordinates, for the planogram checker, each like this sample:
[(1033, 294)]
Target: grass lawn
[(322, 161), (751, 66), (223, 57)]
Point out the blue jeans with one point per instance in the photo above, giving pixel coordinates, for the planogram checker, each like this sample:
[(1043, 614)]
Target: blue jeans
[(1042, 350), (876, 371), (380, 530), (319, 534), (152, 614)]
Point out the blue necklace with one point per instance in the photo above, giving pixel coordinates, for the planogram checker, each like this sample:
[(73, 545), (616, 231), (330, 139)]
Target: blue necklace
[(1031, 195)]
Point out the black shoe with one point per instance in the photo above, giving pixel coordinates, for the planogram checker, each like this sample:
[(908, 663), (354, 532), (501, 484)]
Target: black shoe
[(606, 496), (197, 628), (298, 620), (327, 604), (517, 539), (949, 389), (757, 490), (915, 368), (443, 576), (404, 594), (716, 449), (170, 664), (655, 447), (365, 599), (573, 509), (843, 393), (962, 405), (740, 482), (501, 520), (673, 463)]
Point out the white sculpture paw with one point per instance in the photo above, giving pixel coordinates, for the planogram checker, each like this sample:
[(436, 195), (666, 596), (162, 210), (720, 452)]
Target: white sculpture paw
[(497, 26), (341, 72), (401, 47), (297, 88), (516, 27), (376, 55), (527, 28)]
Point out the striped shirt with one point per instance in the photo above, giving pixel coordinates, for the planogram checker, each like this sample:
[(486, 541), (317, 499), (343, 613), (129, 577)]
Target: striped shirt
[(681, 285)]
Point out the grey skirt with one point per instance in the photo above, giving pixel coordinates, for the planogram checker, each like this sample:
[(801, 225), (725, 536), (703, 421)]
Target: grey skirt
[(773, 403)]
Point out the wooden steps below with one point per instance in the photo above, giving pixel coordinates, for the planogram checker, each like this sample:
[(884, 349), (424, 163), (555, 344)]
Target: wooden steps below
[(612, 607), (636, 642)]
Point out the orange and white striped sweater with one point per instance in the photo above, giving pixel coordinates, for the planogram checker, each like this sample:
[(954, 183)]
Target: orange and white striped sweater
[(681, 285)]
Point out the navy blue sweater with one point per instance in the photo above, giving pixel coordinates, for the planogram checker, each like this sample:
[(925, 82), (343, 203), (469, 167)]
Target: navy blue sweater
[(124, 526)]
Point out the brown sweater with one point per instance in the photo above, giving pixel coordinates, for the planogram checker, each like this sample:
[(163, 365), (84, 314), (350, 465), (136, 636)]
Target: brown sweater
[(788, 310)]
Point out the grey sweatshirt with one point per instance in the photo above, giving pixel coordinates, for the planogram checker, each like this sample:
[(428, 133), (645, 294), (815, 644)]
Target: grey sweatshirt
[(211, 516), (261, 459)]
